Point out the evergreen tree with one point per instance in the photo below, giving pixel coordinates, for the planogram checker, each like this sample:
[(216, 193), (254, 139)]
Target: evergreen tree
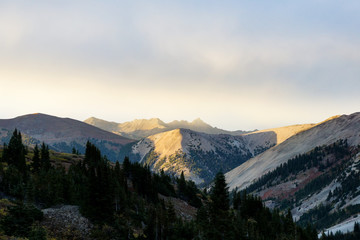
[(14, 153), (74, 151), (220, 193), (289, 224), (97, 204), (357, 228), (45, 157), (181, 185), (203, 222), (219, 206), (126, 167), (36, 160)]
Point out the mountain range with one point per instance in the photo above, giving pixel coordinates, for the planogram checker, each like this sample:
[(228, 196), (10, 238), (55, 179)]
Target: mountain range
[(309, 168), (179, 146), (200, 155), (141, 128)]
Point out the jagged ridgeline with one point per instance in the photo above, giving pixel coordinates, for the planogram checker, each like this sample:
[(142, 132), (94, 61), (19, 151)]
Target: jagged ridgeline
[(125, 201)]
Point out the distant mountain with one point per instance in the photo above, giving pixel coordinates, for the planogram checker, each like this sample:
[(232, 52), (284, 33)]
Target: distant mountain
[(320, 186), (141, 128), (63, 134), (324, 133), (315, 173), (200, 155)]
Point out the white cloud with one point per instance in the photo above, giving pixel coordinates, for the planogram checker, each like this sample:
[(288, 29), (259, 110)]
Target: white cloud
[(222, 63)]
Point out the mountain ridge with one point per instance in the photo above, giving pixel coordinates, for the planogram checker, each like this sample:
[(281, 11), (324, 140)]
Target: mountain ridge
[(63, 134), (199, 155), (141, 128), (326, 132)]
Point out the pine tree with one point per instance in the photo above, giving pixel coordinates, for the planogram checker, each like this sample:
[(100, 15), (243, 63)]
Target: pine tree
[(357, 228), (126, 167), (14, 153), (220, 193), (181, 185), (98, 200), (118, 186), (203, 222), (219, 206), (289, 224), (45, 157), (36, 160), (75, 151)]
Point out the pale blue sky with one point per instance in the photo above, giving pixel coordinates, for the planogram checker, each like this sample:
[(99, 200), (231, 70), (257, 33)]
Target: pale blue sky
[(235, 64)]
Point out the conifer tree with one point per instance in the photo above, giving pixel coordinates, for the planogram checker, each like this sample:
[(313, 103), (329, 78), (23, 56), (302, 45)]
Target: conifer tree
[(45, 157), (220, 193), (14, 153), (182, 185), (357, 228), (97, 204), (218, 208), (36, 160), (289, 224), (126, 166)]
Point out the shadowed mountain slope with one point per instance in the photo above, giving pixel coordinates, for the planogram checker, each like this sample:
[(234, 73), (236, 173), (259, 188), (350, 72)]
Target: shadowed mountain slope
[(64, 133), (324, 133)]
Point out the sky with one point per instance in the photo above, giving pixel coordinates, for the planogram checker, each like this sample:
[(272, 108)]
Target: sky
[(238, 65)]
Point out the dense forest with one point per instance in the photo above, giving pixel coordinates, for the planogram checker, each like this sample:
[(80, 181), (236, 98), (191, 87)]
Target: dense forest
[(128, 201)]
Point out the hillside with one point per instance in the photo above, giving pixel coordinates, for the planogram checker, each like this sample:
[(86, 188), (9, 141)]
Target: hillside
[(141, 128), (62, 134), (94, 199), (199, 155), (324, 133), (275, 136), (321, 186)]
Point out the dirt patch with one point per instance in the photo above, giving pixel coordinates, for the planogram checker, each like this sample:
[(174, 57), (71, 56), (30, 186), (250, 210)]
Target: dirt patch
[(289, 188)]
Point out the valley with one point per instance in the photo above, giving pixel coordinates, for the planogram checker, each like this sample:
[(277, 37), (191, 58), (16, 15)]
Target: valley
[(312, 169)]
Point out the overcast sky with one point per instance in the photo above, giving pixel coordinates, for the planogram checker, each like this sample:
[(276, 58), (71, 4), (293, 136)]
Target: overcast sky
[(235, 64)]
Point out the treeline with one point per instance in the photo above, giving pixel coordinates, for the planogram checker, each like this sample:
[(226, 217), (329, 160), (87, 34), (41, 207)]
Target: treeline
[(324, 216), (355, 235), (301, 163), (246, 218), (123, 201)]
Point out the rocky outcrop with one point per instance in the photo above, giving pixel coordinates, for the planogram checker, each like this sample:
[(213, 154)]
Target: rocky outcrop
[(66, 222)]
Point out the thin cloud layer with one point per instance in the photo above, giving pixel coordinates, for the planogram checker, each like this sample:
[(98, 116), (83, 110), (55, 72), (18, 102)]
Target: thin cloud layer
[(234, 64)]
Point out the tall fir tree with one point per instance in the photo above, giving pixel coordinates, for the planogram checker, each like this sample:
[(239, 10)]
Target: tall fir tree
[(36, 160), (45, 157), (14, 153), (219, 209), (220, 193), (181, 185)]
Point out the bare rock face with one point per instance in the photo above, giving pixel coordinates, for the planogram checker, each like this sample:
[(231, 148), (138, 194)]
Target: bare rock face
[(66, 222)]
